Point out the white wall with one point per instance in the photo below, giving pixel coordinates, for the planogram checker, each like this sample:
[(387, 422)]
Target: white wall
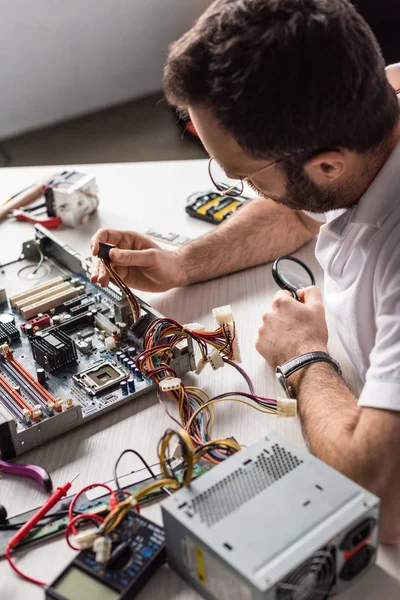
[(61, 58)]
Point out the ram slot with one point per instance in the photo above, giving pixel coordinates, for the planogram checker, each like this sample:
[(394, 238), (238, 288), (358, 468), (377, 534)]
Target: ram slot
[(33, 386), (11, 408), (26, 387), (15, 398), (36, 290)]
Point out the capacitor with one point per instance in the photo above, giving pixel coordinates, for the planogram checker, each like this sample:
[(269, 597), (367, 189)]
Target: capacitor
[(125, 361), (6, 318), (118, 355), (90, 317), (111, 318), (41, 376), (29, 329), (123, 328), (131, 385), (130, 364), (139, 375), (132, 351), (121, 357), (124, 388)]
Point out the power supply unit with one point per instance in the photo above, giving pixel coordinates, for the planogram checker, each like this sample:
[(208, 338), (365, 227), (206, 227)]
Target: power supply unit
[(272, 522)]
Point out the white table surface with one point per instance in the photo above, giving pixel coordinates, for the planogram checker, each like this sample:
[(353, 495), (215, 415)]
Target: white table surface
[(139, 196)]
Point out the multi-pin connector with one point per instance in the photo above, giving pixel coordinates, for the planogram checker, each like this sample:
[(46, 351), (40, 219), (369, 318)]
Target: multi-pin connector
[(169, 384), (224, 318), (215, 360), (287, 408)]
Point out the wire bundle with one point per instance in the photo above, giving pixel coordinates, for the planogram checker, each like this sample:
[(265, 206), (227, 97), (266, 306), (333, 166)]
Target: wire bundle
[(134, 303)]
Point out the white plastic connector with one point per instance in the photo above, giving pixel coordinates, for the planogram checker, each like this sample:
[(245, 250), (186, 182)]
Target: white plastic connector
[(110, 343), (69, 402), (58, 404), (36, 412), (50, 406), (27, 415), (223, 315), (169, 384), (86, 538), (4, 348), (194, 327), (102, 549), (287, 407), (200, 366), (215, 360)]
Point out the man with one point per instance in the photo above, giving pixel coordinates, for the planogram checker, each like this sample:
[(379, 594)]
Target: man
[(291, 95)]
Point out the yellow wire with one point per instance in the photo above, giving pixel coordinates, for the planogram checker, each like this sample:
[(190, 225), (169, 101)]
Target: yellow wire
[(196, 412)]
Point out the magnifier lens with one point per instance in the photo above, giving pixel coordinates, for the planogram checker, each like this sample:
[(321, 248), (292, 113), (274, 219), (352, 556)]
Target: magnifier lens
[(294, 275), (290, 273)]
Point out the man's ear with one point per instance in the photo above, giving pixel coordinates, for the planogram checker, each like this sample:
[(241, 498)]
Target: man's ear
[(326, 167)]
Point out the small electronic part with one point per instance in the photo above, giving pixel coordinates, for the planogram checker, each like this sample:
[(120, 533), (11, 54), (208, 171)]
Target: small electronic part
[(215, 360), (72, 196), (84, 346), (10, 331), (100, 377), (124, 388), (53, 349), (7, 319), (105, 325), (138, 375), (213, 207), (41, 376), (131, 385), (215, 528), (224, 318), (174, 239), (123, 330), (169, 384), (40, 322), (3, 296), (110, 343), (104, 250), (287, 408), (137, 551)]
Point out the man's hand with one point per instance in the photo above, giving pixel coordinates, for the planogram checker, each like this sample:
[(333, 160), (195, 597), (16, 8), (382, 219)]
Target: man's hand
[(291, 328), (141, 263)]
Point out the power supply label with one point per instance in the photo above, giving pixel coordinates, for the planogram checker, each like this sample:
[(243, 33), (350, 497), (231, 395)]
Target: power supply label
[(219, 581)]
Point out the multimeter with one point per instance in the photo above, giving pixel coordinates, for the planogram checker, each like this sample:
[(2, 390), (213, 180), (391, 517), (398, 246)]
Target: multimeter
[(138, 549), (212, 206)]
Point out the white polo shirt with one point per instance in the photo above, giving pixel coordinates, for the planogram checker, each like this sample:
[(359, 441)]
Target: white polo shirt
[(359, 251)]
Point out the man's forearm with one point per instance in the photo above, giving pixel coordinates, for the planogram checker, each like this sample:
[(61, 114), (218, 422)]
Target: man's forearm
[(359, 442), (260, 232)]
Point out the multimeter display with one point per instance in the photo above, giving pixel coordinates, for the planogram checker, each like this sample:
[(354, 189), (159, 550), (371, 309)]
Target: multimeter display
[(138, 550), (213, 207), (75, 584)]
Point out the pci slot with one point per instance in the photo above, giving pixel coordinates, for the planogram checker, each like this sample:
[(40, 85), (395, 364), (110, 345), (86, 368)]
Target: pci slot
[(35, 290), (30, 384), (15, 400)]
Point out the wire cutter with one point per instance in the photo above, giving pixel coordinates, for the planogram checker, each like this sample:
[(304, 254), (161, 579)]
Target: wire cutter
[(38, 474)]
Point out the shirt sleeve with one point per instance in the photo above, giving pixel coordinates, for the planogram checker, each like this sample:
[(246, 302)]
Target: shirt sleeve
[(382, 386)]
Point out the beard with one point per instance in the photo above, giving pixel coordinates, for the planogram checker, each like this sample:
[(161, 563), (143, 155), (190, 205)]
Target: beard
[(302, 194)]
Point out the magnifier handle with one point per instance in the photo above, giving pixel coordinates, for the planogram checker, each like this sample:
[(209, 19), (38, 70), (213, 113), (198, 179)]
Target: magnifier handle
[(295, 296)]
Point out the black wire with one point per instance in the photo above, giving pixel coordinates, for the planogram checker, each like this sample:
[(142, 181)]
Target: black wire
[(49, 518), (139, 456)]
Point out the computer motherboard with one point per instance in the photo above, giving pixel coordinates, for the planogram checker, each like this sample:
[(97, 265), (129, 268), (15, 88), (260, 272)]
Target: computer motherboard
[(67, 347)]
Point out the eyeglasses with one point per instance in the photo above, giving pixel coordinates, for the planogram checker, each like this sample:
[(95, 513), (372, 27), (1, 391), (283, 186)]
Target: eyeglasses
[(236, 189)]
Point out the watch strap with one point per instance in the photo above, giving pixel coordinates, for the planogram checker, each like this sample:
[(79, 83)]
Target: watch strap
[(291, 366)]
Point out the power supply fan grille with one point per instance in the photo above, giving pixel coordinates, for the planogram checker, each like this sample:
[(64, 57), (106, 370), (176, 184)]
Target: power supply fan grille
[(243, 484), (312, 580)]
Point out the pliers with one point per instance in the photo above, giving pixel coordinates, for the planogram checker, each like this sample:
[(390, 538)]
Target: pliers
[(38, 474)]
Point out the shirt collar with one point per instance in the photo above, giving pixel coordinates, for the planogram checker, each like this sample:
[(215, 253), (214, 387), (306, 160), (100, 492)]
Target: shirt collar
[(382, 196)]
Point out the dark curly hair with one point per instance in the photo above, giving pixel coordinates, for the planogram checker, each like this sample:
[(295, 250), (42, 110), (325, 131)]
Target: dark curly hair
[(285, 76)]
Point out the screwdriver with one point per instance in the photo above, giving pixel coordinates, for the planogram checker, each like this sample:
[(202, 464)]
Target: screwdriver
[(30, 524)]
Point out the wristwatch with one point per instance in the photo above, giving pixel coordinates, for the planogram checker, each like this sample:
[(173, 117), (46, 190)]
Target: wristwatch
[(283, 372)]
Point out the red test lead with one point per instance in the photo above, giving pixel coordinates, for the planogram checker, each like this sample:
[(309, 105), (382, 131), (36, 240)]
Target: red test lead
[(60, 492)]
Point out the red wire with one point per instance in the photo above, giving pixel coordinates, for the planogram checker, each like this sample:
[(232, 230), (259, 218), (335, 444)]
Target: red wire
[(72, 523), (20, 573), (87, 487)]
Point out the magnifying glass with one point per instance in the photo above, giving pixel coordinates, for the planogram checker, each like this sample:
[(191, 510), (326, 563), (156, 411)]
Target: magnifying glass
[(291, 274)]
